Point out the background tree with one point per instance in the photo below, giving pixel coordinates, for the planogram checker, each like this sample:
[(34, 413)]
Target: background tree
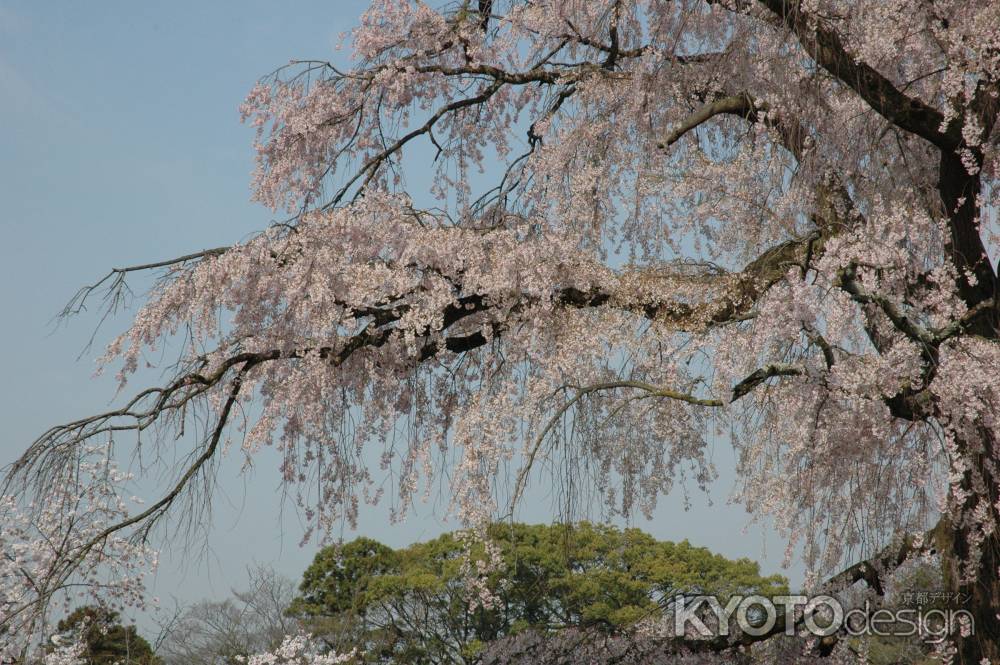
[(767, 218), (412, 605), (106, 640), (229, 631), (916, 585)]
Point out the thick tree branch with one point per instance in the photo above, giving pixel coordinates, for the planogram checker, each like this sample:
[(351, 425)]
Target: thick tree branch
[(742, 105), (824, 46), (848, 281), (763, 374)]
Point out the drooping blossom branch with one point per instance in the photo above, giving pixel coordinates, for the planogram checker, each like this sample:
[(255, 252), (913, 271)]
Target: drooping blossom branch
[(766, 219)]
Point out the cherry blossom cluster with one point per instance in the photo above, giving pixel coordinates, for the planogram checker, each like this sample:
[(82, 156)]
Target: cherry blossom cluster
[(620, 166), (56, 553), (65, 654), (611, 191), (769, 221), (298, 650)]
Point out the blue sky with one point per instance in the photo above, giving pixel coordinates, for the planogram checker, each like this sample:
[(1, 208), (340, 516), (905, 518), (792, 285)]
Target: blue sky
[(121, 144)]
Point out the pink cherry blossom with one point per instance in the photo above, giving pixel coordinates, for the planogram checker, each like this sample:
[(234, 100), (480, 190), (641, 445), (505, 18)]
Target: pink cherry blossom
[(759, 221)]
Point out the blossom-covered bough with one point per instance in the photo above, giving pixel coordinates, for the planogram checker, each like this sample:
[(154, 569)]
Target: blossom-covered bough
[(594, 235)]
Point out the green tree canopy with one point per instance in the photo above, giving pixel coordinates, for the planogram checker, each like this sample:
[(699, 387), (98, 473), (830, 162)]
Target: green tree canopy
[(412, 605), (106, 641)]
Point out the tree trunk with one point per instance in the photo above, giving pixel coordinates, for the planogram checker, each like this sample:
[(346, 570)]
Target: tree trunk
[(981, 598)]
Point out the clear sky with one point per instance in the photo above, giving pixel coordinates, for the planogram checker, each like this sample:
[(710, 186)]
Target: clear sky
[(120, 143)]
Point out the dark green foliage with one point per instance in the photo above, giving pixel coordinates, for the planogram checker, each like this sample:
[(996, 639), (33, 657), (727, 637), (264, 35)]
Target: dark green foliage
[(412, 605), (106, 640)]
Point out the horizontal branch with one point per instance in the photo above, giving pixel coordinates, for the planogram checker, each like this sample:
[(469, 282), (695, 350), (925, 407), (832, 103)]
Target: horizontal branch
[(743, 106), (870, 571), (117, 276), (763, 374), (733, 104), (967, 322)]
